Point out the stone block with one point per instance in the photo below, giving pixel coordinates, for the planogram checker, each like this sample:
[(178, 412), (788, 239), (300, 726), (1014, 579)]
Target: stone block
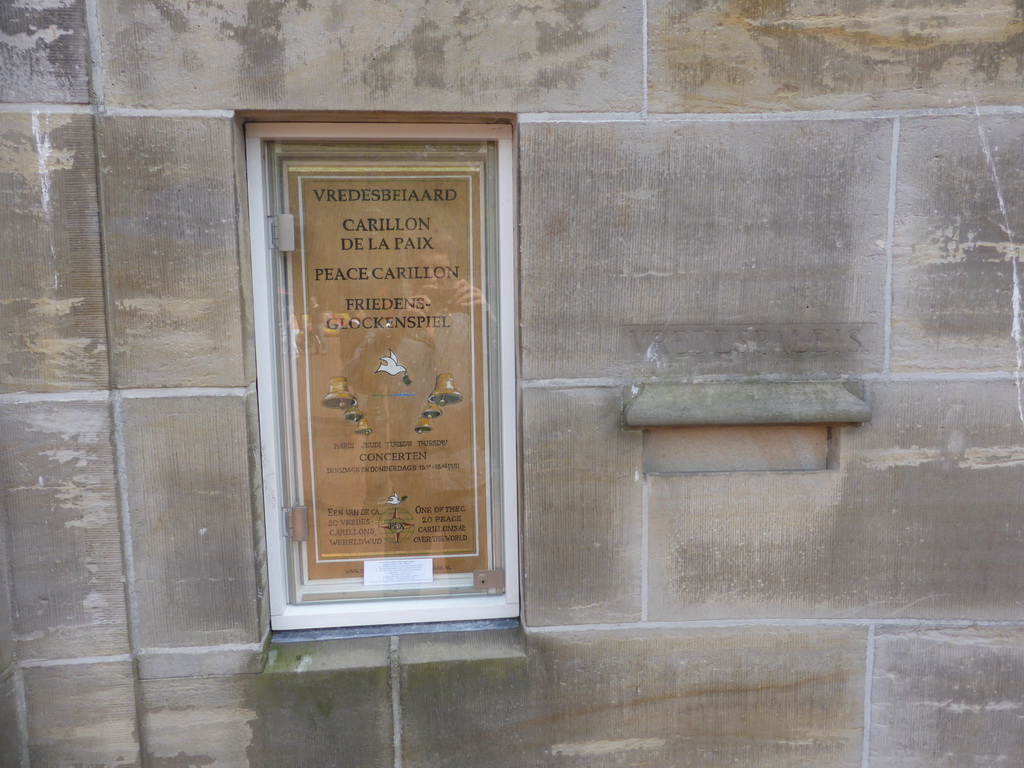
[(319, 703), (958, 231), (82, 715), (162, 663), (199, 721), (732, 449), (581, 508), (765, 697), (284, 658), (766, 55), (674, 249), (171, 241), (432, 647), (918, 521), (949, 697), (44, 52), (51, 298), (58, 478), (740, 544), (11, 746), (462, 56), (188, 495)]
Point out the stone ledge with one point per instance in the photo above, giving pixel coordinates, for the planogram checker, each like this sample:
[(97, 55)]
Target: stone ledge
[(361, 652), (327, 655), (671, 404), (462, 646)]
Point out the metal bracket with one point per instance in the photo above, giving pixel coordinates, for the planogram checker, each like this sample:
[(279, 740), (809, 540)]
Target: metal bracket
[(489, 580), (296, 520), (282, 232)]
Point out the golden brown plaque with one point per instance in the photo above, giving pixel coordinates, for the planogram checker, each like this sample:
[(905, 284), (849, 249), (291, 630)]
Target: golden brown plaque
[(388, 332)]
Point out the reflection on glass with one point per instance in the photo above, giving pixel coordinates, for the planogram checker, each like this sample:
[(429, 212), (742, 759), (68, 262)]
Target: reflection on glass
[(389, 281)]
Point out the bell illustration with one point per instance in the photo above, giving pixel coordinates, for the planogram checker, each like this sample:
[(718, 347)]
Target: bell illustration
[(354, 414), (423, 425), (445, 392), (363, 428), (338, 396), (431, 411)]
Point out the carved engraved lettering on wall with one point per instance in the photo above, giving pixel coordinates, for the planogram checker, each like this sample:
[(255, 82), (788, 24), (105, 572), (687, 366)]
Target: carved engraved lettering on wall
[(768, 339)]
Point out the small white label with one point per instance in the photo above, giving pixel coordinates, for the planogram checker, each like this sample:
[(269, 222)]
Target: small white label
[(377, 573)]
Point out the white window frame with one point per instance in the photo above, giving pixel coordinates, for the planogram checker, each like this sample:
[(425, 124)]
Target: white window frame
[(352, 613)]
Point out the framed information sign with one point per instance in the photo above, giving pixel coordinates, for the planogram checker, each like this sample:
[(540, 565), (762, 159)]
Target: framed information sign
[(383, 285)]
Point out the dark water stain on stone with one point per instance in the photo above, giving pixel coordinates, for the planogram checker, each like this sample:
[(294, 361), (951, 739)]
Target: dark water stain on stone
[(379, 71), (172, 13), (807, 55), (62, 60), (263, 48), (310, 718), (759, 9), (192, 210), (555, 37), (860, 57), (566, 76), (988, 58), (427, 42)]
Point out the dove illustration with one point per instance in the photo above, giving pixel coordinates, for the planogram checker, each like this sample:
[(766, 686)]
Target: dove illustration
[(394, 499), (390, 364)]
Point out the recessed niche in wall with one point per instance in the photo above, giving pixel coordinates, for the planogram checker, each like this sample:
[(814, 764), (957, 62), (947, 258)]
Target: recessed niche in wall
[(742, 427), (675, 450), (383, 282)]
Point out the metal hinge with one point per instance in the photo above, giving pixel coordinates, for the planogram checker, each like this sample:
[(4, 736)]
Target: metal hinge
[(282, 231), (296, 520), (489, 580)]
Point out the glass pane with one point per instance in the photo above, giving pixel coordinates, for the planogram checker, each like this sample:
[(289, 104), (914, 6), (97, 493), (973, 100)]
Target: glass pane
[(389, 357)]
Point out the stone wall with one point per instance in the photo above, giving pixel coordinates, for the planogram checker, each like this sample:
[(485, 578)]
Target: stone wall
[(767, 173)]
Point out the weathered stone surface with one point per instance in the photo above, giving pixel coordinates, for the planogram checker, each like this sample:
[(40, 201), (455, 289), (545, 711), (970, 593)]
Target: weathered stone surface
[(191, 521), (51, 297), (171, 242), (740, 545), (462, 646), (959, 227), (82, 715), (44, 51), (191, 662), (679, 404), (6, 620), (58, 479), (199, 721), (244, 256), (761, 55), (919, 521), (774, 230), (258, 513), (735, 449), (460, 56), (11, 746), (581, 508), (328, 655), (948, 698), (656, 697), (319, 703), (314, 702)]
